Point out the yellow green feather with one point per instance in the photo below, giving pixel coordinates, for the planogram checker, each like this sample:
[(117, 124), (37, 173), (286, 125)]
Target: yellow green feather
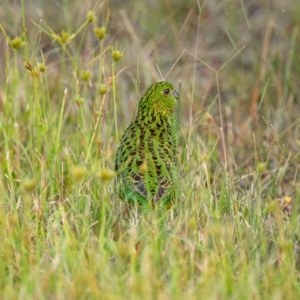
[(146, 160)]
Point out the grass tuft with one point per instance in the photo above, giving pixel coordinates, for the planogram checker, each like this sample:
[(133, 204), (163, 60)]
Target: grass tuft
[(71, 74)]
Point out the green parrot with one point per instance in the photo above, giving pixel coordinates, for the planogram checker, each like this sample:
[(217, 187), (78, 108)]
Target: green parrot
[(146, 159)]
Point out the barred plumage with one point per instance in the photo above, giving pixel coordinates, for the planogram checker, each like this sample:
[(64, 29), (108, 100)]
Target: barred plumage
[(146, 160)]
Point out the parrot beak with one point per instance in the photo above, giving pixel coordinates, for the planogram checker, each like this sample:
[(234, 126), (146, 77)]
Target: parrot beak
[(175, 93)]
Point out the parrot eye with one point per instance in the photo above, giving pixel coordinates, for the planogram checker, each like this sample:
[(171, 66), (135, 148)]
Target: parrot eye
[(166, 91)]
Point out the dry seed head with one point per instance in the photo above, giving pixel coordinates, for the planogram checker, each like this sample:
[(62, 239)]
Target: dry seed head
[(117, 55), (91, 17), (203, 158), (79, 100), (17, 43), (28, 66), (42, 67), (107, 175), (78, 173), (35, 72), (286, 245), (261, 167), (100, 32), (64, 37), (103, 89), (85, 75), (29, 186), (216, 215), (192, 224)]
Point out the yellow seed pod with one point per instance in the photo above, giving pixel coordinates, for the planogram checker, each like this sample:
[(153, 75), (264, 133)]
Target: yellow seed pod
[(261, 167), (78, 173), (79, 100), (64, 37), (107, 175), (17, 43), (91, 17), (41, 67), (204, 158), (117, 55), (103, 89), (35, 72), (29, 186), (100, 32), (85, 75)]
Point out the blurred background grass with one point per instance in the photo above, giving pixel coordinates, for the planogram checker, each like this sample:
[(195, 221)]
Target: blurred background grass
[(237, 67), (258, 87)]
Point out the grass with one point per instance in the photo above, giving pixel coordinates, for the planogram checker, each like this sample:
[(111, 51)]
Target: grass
[(71, 74)]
